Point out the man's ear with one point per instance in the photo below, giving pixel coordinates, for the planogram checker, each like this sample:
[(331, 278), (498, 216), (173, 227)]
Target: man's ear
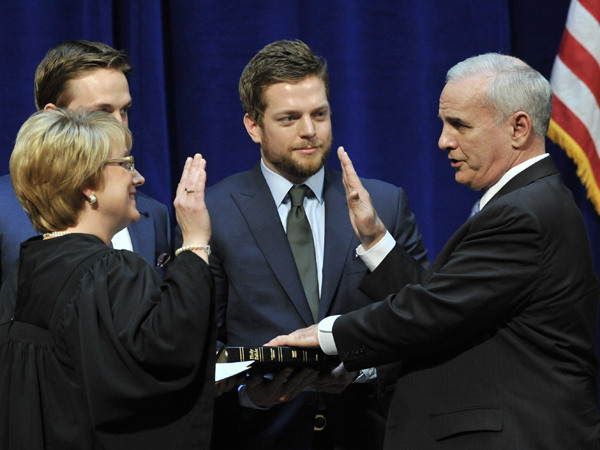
[(253, 129), (50, 106), (522, 128)]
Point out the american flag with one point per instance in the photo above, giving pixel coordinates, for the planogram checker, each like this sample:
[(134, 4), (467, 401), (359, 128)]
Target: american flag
[(575, 79)]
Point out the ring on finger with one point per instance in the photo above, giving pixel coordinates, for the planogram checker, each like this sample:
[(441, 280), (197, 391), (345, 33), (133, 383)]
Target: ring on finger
[(190, 191)]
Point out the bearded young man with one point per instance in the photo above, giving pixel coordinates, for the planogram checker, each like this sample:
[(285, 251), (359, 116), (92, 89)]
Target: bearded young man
[(261, 294)]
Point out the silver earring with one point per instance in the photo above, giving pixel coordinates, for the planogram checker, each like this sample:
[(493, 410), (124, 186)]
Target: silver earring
[(92, 199)]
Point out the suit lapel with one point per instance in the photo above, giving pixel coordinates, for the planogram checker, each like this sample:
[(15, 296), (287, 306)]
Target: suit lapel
[(540, 169), (338, 238), (258, 208)]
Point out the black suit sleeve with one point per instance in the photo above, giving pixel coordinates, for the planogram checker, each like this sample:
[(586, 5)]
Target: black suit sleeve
[(489, 274)]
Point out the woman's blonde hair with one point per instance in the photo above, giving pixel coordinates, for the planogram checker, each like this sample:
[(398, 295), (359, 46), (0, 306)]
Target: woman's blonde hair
[(58, 154)]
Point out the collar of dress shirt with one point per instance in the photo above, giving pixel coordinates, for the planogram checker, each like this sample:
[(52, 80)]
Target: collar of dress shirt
[(507, 177), (280, 186), (122, 240)]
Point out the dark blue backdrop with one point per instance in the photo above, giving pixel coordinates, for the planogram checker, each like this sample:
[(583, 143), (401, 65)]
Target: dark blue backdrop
[(387, 62)]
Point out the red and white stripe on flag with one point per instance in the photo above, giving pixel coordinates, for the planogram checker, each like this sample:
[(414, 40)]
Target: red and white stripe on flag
[(575, 123)]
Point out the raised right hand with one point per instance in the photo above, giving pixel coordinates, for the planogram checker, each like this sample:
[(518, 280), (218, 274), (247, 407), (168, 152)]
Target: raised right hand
[(192, 215), (364, 218)]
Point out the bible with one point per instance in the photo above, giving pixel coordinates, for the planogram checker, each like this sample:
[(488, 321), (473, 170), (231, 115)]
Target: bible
[(278, 358)]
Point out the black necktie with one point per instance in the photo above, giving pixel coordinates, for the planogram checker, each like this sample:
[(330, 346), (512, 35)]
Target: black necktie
[(300, 238)]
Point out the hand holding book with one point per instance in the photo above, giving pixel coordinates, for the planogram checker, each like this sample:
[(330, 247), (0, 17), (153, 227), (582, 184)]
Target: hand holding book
[(283, 386), (335, 381)]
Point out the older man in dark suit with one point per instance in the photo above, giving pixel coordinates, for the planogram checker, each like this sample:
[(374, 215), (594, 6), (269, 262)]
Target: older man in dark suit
[(92, 76), (498, 341)]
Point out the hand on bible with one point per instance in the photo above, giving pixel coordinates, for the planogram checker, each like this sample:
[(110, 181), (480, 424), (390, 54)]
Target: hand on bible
[(304, 337), (284, 386), (366, 223)]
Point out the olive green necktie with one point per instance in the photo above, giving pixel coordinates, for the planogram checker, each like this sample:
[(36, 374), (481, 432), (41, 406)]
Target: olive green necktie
[(300, 238)]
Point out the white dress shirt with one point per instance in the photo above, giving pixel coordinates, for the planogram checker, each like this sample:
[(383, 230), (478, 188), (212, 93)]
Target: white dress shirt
[(122, 240)]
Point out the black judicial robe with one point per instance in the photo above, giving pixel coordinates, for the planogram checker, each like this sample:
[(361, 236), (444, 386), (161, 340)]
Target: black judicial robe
[(130, 362)]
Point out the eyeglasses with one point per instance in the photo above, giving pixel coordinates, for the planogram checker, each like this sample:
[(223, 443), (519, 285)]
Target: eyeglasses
[(125, 162)]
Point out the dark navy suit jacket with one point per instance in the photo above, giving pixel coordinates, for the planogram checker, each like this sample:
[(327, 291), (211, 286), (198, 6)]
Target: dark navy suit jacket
[(498, 342), (150, 236), (260, 296)]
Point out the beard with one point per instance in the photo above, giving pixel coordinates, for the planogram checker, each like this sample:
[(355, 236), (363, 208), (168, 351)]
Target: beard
[(295, 166)]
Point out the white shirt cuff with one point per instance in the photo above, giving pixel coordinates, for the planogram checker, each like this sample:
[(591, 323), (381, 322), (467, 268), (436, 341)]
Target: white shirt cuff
[(325, 335), (373, 257)]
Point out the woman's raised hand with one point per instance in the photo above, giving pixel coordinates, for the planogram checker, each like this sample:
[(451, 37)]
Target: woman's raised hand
[(190, 209)]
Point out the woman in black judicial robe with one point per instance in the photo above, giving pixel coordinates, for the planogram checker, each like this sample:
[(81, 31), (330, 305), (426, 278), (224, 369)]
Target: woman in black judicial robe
[(96, 352)]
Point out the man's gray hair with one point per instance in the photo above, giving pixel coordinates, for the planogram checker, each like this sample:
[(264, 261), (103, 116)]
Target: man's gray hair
[(514, 86)]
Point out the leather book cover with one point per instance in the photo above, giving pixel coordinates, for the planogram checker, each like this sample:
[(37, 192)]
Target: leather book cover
[(278, 358)]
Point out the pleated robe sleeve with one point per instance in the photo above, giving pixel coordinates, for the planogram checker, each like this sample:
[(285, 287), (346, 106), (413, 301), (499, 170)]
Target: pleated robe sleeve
[(145, 349)]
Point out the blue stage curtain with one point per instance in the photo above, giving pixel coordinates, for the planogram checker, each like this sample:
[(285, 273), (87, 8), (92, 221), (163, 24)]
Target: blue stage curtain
[(387, 62)]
